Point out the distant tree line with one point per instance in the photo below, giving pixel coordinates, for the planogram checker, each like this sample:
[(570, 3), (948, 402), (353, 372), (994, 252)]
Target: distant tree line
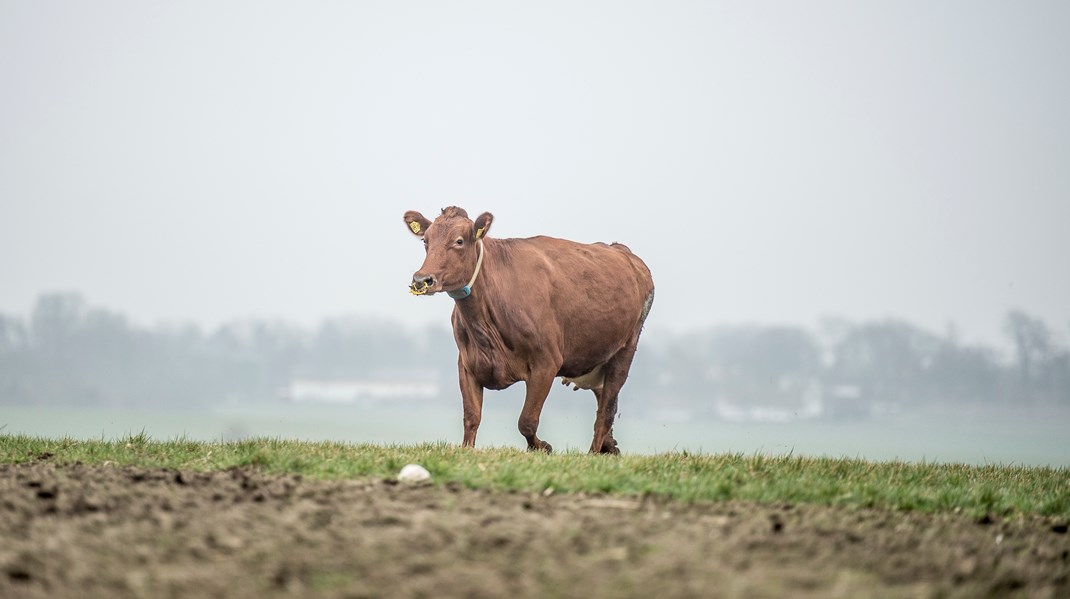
[(69, 353), (856, 369)]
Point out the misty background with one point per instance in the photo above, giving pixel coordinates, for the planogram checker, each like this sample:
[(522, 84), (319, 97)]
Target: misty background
[(880, 389), (855, 215)]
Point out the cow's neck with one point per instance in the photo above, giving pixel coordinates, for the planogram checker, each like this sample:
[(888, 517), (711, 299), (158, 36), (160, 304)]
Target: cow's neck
[(476, 310)]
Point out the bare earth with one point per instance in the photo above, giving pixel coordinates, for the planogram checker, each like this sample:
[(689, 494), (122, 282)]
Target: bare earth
[(77, 531)]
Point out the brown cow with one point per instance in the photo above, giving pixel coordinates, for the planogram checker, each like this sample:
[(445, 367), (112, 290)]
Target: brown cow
[(534, 309)]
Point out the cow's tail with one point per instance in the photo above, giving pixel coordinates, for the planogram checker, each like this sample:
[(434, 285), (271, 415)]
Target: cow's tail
[(643, 272), (647, 303)]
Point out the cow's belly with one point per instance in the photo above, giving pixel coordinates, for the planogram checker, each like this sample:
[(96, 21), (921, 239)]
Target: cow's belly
[(499, 373)]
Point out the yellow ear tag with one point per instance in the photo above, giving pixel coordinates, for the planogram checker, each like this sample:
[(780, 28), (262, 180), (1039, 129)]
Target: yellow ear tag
[(415, 226), (479, 232)]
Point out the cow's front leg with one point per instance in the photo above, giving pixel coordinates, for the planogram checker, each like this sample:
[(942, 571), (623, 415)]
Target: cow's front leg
[(472, 398), (538, 387)]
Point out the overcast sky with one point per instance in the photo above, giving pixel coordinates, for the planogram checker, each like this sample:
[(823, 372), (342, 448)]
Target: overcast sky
[(772, 162)]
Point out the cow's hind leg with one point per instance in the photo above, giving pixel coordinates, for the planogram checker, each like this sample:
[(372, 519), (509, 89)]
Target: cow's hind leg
[(538, 387), (616, 373)]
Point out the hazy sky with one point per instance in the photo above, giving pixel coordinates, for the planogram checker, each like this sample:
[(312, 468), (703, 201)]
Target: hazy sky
[(771, 161)]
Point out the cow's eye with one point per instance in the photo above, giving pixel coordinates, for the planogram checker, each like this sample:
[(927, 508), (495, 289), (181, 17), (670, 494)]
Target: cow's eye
[(459, 242)]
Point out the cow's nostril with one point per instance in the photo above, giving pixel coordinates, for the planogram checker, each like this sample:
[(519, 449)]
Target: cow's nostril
[(421, 284)]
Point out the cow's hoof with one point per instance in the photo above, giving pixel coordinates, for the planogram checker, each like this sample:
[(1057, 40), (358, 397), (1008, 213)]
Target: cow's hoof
[(542, 446), (609, 446)]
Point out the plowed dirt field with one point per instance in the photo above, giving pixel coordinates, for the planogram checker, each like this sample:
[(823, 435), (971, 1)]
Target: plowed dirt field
[(79, 531)]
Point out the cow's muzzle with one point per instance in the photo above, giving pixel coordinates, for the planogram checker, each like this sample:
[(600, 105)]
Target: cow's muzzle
[(421, 284)]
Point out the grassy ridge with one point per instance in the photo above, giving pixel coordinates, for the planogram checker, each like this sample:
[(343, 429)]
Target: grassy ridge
[(1007, 490)]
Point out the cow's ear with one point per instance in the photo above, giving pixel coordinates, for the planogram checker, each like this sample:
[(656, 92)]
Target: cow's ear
[(482, 224), (417, 223)]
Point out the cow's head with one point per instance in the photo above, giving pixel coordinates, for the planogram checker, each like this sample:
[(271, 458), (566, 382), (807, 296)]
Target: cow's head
[(451, 246)]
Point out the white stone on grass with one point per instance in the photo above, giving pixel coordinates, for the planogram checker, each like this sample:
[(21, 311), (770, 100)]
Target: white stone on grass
[(414, 473)]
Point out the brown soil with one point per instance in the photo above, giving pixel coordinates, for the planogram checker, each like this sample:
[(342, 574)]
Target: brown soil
[(77, 531)]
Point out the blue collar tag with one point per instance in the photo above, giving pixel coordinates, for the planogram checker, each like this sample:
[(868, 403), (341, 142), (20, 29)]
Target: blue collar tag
[(460, 294)]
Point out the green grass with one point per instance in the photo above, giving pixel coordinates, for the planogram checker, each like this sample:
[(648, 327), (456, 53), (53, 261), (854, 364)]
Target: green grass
[(997, 490)]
